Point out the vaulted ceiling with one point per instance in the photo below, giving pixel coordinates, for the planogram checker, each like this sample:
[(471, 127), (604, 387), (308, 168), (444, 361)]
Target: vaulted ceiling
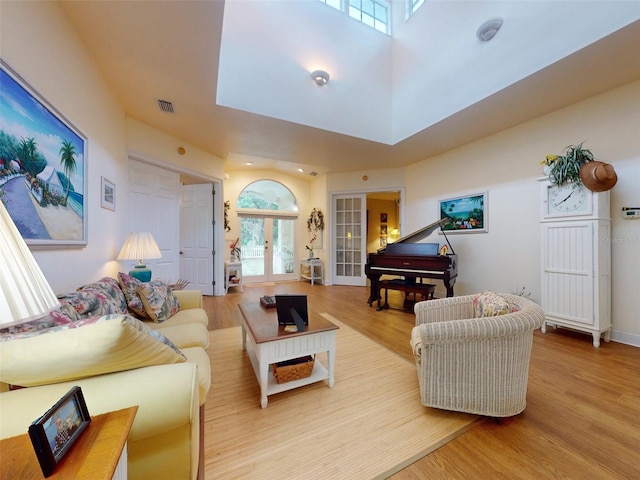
[(238, 74)]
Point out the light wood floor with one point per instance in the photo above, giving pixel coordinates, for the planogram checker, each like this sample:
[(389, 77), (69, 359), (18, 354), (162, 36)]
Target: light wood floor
[(582, 419)]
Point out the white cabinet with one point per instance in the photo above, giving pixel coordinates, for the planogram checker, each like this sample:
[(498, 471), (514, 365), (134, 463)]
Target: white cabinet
[(232, 275), (576, 260), (312, 269)]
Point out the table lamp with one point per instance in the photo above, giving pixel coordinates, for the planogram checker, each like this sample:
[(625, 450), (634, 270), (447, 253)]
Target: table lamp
[(25, 293), (140, 246)]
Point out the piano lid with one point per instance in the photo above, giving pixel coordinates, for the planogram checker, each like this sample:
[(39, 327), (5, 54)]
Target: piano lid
[(422, 233)]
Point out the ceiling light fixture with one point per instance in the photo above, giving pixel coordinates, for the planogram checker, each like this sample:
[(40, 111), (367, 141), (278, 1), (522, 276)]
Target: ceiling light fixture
[(301, 170), (489, 29), (320, 77)]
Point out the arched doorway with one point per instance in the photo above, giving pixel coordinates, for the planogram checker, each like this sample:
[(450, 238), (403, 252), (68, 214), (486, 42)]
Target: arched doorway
[(268, 213)]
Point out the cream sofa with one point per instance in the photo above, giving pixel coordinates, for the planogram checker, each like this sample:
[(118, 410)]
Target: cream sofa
[(473, 355), (119, 361)]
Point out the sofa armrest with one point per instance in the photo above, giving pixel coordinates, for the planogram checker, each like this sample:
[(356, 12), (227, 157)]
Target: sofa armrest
[(145, 387), (189, 298), (478, 329), (164, 438), (444, 309)]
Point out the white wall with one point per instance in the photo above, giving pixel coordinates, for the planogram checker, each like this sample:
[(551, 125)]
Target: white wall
[(40, 45), (367, 180), (144, 141), (506, 165)]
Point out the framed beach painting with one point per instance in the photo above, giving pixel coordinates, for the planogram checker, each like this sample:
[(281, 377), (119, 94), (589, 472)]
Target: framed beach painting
[(466, 214), (43, 169)]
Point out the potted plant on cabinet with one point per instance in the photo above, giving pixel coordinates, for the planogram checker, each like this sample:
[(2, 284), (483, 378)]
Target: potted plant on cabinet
[(566, 168)]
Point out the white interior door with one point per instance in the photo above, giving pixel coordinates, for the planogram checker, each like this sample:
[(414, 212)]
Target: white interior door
[(196, 236), (349, 242), (154, 196)]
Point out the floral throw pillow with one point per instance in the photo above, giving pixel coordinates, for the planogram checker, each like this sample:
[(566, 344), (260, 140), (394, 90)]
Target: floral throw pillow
[(62, 315), (115, 300), (489, 304), (130, 286), (158, 299)]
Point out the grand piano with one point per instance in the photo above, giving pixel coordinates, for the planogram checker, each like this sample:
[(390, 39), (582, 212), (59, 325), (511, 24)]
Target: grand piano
[(413, 261)]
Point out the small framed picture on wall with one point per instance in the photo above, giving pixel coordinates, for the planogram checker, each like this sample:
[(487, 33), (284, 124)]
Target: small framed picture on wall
[(383, 218), (108, 197)]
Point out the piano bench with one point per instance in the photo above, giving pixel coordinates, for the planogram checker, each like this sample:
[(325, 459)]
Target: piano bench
[(425, 289)]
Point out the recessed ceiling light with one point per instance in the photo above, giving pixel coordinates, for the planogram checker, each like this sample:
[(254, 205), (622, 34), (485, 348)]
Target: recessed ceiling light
[(248, 163), (489, 29), (320, 77), (300, 170)]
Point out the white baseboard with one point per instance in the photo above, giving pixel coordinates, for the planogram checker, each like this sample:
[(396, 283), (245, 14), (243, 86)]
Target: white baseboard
[(626, 338)]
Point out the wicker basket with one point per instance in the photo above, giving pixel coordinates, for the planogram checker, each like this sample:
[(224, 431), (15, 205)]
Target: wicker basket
[(294, 369)]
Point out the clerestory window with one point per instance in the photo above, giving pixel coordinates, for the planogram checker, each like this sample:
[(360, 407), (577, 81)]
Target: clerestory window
[(374, 13), (413, 6)]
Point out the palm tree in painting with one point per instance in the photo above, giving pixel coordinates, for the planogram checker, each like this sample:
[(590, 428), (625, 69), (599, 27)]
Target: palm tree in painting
[(27, 153), (68, 161)]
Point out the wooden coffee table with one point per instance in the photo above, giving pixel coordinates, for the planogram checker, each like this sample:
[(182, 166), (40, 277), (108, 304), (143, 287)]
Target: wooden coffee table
[(269, 343)]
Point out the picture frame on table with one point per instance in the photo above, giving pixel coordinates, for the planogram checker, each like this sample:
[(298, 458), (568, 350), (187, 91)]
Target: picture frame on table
[(53, 434), (108, 194), (44, 186), (465, 214)]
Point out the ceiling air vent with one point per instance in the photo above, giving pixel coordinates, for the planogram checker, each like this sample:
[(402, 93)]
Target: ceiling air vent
[(313, 174), (166, 106)]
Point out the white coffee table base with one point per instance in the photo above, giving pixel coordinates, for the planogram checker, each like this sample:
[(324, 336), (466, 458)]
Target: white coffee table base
[(264, 354)]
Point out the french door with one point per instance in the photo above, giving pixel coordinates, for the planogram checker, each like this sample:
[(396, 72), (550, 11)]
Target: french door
[(267, 246), (349, 242)]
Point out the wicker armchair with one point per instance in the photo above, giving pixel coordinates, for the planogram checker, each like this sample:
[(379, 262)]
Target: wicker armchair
[(474, 365)]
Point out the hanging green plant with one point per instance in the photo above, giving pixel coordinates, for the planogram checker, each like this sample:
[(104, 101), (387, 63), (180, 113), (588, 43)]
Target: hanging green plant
[(566, 168), (227, 206), (315, 220)]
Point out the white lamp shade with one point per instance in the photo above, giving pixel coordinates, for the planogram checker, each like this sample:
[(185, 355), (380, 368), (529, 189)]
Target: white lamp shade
[(26, 294), (139, 246)]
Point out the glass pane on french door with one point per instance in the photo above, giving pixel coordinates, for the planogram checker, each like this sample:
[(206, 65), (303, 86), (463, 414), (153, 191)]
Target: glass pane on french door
[(349, 256), (267, 247), (283, 241)]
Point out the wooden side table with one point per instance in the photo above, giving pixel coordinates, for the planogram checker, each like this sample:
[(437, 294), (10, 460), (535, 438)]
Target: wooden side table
[(99, 453)]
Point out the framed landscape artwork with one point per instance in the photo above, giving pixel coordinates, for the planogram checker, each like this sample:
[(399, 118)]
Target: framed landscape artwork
[(43, 170), (108, 195), (466, 214)]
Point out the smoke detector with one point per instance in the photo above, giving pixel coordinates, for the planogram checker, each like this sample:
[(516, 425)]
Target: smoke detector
[(489, 29)]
